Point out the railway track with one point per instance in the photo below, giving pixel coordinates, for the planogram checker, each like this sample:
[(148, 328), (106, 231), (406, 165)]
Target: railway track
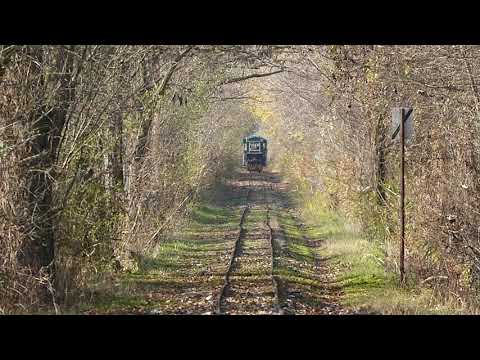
[(275, 279), (250, 285), (233, 255)]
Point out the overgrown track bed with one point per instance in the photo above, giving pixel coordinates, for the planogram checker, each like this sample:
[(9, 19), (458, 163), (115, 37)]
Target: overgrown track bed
[(250, 286), (275, 279), (235, 251), (243, 251)]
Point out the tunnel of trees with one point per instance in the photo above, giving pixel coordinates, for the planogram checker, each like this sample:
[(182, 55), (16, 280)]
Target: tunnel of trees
[(102, 147)]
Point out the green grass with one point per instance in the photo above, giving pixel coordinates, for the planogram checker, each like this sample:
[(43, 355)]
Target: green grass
[(209, 215), (359, 267), (367, 285), (296, 263), (177, 262), (357, 264)]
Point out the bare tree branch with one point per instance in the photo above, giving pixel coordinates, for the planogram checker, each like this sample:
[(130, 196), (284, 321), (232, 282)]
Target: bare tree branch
[(243, 78)]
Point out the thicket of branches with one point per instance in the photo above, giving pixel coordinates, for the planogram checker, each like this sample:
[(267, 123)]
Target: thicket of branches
[(330, 114), (101, 148)]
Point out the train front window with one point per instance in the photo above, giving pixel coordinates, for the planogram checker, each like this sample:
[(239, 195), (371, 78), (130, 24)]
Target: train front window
[(254, 147)]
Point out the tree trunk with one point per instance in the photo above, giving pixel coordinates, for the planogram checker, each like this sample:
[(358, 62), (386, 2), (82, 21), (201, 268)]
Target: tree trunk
[(46, 123), (380, 163), (149, 83), (116, 155)]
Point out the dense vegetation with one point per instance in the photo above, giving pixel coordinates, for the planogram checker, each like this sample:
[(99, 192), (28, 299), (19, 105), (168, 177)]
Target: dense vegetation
[(332, 115), (102, 148)]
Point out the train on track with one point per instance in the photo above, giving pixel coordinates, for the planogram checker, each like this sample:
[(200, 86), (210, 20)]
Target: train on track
[(254, 153)]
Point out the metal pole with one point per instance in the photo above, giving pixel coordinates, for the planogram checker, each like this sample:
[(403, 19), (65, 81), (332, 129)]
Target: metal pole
[(402, 196)]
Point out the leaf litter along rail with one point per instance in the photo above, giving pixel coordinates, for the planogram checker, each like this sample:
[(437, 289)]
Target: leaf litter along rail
[(275, 279), (235, 250), (254, 289)]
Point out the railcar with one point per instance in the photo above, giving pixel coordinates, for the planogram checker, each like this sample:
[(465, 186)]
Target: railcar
[(255, 153)]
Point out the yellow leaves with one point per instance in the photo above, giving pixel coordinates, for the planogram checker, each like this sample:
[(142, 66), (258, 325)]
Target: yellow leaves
[(260, 108), (371, 75), (262, 113), (465, 277), (297, 136), (266, 117)]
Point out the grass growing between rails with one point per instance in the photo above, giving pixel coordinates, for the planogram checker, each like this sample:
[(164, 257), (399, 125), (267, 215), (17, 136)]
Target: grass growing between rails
[(184, 272), (359, 271)]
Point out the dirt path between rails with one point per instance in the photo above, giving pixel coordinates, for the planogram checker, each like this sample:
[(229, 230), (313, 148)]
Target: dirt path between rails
[(281, 274)]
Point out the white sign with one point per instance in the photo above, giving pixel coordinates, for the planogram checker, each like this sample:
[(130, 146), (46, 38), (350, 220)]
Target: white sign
[(408, 123)]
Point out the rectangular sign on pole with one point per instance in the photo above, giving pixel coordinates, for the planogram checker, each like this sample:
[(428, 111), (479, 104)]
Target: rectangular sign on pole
[(408, 123), (402, 129), (403, 117)]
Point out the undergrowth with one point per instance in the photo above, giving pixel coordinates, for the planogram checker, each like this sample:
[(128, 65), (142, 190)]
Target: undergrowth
[(359, 266)]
